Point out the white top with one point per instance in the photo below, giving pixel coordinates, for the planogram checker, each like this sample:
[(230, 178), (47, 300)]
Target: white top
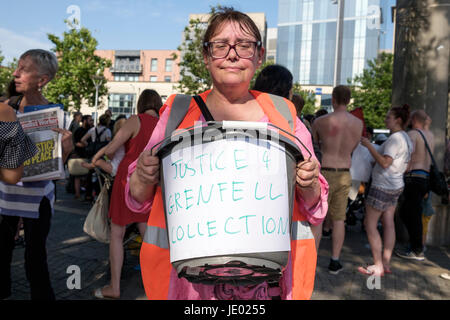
[(362, 163), (399, 147), (104, 134), (118, 156)]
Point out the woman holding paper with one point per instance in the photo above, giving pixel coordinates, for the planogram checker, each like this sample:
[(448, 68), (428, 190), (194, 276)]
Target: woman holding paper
[(33, 201), (232, 51)]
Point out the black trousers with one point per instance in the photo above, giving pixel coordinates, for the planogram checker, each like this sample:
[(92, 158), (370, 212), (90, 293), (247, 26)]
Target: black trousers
[(36, 267), (411, 209)]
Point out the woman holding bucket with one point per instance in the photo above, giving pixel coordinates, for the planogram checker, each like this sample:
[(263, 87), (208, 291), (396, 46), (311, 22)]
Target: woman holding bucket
[(232, 52)]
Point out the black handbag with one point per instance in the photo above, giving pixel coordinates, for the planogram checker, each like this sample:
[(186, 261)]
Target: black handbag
[(438, 183), (94, 146)]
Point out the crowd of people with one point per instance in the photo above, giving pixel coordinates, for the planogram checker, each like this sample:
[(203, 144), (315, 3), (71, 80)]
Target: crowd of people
[(342, 159)]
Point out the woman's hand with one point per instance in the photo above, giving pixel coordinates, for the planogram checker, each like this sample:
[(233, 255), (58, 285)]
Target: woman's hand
[(383, 160), (365, 142), (87, 165), (145, 177), (307, 173), (147, 168), (307, 181)]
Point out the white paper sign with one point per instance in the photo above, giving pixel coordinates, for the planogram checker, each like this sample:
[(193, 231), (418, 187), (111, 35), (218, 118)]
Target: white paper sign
[(226, 197)]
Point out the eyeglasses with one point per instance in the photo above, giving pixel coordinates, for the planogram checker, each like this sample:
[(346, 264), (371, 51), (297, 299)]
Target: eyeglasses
[(221, 49)]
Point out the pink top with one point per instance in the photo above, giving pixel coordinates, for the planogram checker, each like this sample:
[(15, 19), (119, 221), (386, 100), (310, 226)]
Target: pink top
[(315, 215), (180, 288)]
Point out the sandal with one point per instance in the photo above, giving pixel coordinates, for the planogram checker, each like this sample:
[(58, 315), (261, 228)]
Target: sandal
[(365, 271), (387, 271), (445, 276), (98, 293)]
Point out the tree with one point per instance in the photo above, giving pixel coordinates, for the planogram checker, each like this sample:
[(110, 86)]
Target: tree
[(77, 64), (194, 76), (6, 73), (308, 96), (372, 90)]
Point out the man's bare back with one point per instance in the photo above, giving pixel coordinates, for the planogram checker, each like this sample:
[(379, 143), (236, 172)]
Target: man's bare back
[(420, 159), (338, 134)]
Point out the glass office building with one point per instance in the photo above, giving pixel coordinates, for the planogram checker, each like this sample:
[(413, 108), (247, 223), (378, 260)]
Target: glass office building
[(307, 37)]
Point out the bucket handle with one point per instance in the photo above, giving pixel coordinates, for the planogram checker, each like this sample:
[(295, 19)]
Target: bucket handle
[(230, 124)]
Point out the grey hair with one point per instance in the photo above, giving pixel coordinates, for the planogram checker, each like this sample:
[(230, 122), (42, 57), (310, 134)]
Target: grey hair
[(46, 61)]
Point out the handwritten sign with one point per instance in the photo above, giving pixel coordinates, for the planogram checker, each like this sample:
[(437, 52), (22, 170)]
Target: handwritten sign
[(226, 197)]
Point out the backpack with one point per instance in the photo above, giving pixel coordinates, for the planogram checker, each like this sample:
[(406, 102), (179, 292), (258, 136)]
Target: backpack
[(94, 146)]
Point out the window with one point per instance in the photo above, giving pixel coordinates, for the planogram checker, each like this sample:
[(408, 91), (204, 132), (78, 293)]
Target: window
[(169, 63), (154, 65), (122, 103), (153, 78), (127, 64), (167, 79), (126, 77)]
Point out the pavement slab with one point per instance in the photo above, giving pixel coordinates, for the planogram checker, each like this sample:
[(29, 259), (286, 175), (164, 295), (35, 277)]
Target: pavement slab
[(68, 246)]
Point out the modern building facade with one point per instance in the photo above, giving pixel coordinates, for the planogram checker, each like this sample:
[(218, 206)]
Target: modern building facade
[(142, 65), (271, 45), (133, 71), (326, 42)]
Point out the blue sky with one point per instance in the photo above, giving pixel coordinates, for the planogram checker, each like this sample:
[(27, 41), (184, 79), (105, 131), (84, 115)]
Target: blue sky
[(116, 24)]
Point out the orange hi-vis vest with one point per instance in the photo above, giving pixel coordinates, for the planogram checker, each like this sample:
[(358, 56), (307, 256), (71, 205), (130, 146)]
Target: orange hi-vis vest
[(155, 259)]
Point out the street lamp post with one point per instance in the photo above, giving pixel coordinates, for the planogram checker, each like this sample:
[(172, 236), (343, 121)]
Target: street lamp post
[(96, 79)]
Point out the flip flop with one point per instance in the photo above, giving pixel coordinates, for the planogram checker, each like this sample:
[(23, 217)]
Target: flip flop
[(99, 295), (445, 276), (387, 271), (365, 271)]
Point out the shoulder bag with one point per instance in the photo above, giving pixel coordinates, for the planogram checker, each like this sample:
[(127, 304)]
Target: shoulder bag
[(97, 223), (438, 184)]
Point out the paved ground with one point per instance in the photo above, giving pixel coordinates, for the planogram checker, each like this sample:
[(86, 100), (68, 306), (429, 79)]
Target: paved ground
[(68, 245)]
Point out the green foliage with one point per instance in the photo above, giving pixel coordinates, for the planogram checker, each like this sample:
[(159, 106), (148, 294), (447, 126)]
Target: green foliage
[(77, 62), (194, 77), (309, 97), (6, 74), (372, 90)]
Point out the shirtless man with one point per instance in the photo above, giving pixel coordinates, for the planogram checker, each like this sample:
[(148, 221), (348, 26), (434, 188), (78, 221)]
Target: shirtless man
[(416, 185), (338, 134)]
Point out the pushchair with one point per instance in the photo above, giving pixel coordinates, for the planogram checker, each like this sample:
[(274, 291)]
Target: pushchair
[(356, 208)]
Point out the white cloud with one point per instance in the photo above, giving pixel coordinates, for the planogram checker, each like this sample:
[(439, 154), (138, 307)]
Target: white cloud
[(94, 6), (13, 44)]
